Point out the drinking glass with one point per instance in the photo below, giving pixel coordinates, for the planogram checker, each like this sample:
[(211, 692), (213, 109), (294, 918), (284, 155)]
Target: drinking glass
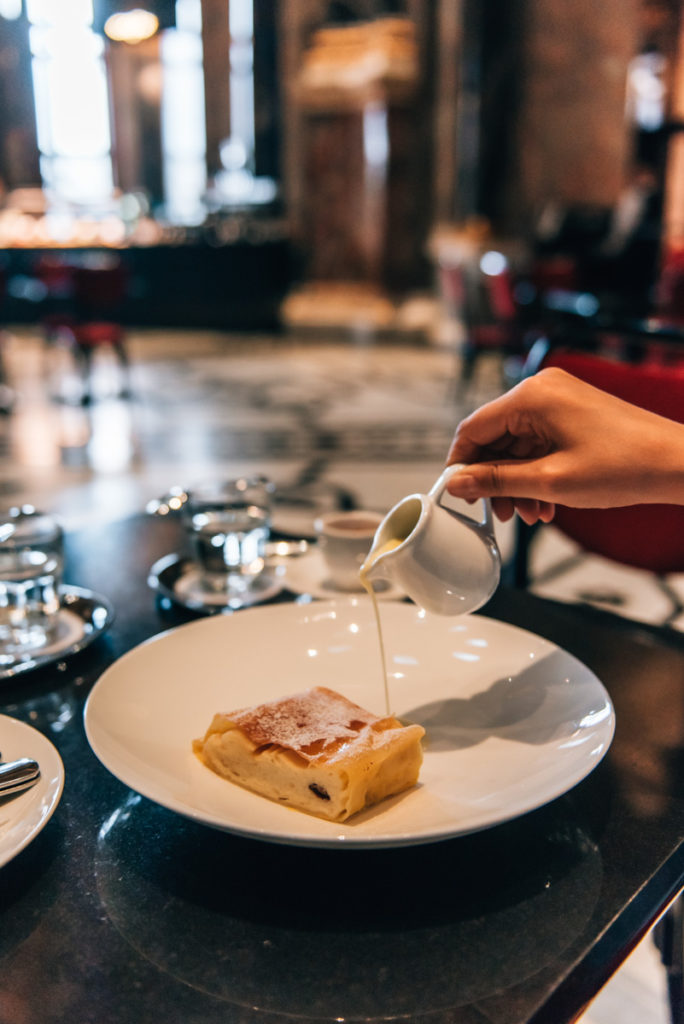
[(31, 564), (229, 523)]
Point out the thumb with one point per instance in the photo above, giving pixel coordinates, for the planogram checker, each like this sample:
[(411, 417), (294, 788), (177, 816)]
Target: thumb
[(512, 479)]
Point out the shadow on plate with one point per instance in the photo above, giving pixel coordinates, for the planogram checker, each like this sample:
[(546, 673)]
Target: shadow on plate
[(532, 706)]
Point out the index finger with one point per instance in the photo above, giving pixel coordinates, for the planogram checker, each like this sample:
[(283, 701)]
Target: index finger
[(483, 428)]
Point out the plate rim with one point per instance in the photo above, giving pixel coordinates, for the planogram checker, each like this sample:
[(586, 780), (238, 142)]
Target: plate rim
[(344, 840), (54, 792)]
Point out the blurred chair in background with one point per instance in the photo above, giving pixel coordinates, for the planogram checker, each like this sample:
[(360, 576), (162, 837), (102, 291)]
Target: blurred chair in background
[(647, 537), (83, 313), (670, 287), (99, 293), (493, 319), (57, 317), (478, 285)]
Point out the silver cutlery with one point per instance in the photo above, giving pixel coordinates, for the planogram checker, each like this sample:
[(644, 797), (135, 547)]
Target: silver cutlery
[(18, 775)]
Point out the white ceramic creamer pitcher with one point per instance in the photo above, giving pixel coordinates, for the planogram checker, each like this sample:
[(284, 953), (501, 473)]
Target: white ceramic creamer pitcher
[(447, 562)]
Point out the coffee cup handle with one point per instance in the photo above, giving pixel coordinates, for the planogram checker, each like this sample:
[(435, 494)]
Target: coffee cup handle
[(439, 487)]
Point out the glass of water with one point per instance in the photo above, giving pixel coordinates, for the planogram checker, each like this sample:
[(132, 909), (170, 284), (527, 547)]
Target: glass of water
[(31, 564), (229, 522)]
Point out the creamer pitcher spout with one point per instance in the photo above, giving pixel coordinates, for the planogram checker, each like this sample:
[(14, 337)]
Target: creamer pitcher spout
[(375, 567)]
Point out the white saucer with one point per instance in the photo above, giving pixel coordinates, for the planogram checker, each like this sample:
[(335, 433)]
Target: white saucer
[(308, 574), (23, 816)]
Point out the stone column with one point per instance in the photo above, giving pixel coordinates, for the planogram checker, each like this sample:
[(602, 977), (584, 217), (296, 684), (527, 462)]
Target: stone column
[(135, 84), (573, 139), (18, 143), (674, 184), (216, 50), (449, 108)]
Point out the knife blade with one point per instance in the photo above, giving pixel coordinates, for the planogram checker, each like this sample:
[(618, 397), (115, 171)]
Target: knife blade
[(18, 775)]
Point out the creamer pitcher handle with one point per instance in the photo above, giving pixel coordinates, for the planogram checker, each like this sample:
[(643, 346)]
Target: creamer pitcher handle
[(439, 487)]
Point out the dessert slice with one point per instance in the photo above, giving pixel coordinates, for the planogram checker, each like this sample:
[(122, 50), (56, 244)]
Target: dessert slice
[(316, 751)]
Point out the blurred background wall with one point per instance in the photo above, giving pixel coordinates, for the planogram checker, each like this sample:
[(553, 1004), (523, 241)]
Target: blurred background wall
[(253, 163)]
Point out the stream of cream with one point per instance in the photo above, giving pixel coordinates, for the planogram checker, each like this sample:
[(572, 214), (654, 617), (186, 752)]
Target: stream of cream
[(374, 554)]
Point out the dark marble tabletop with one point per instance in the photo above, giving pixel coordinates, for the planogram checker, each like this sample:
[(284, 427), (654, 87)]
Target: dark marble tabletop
[(121, 912)]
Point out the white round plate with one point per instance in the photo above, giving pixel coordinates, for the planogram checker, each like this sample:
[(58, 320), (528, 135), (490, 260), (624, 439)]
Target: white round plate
[(23, 816), (308, 574), (511, 720)]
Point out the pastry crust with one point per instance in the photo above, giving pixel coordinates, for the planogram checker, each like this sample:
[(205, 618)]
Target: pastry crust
[(316, 751)]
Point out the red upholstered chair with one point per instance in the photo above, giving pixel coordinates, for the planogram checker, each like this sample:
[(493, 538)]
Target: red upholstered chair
[(91, 319), (550, 273), (670, 286), (645, 536), (55, 273), (491, 316), (99, 294), (477, 285), (99, 289)]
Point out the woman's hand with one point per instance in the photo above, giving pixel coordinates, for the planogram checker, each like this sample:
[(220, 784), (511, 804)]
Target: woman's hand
[(555, 439)]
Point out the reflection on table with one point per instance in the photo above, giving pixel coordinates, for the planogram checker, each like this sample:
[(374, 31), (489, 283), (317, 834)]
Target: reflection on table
[(121, 909)]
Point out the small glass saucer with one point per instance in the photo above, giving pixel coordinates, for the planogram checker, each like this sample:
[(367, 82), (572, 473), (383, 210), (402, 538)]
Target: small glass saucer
[(179, 579), (83, 616)]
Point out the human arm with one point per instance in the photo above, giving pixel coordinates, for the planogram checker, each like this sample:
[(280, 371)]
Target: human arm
[(555, 439)]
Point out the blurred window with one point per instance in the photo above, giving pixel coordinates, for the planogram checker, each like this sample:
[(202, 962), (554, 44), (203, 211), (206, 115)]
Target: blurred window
[(182, 112), (646, 93), (71, 99), (241, 21), (10, 10), (241, 182)]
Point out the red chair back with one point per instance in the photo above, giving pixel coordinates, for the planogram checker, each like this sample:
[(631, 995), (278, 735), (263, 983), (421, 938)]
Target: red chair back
[(99, 291), (643, 536), (500, 292), (670, 286), (56, 274)]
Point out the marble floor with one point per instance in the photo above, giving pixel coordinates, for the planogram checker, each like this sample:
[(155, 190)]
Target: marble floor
[(372, 423), (346, 423)]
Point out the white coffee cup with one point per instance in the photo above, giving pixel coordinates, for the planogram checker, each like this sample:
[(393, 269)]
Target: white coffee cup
[(344, 539), (445, 560)]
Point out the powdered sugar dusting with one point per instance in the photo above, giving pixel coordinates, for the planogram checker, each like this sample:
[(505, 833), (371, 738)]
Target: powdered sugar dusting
[(317, 717)]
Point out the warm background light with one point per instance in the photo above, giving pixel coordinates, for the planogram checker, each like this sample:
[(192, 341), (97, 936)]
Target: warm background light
[(131, 26)]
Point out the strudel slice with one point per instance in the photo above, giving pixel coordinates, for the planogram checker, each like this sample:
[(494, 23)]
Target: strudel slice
[(316, 751)]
